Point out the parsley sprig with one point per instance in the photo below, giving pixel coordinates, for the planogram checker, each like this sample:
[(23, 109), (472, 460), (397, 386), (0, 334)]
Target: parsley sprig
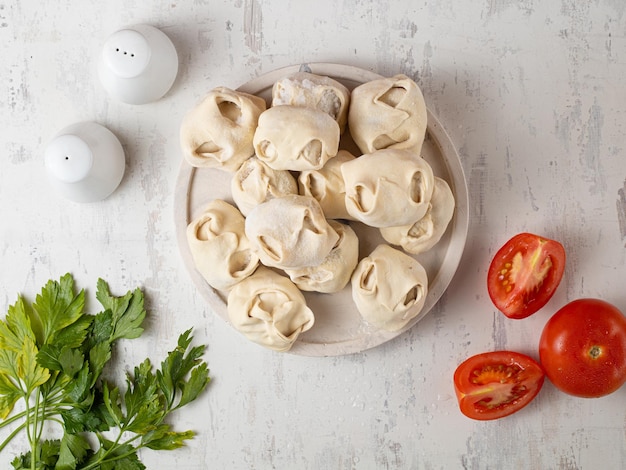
[(52, 358)]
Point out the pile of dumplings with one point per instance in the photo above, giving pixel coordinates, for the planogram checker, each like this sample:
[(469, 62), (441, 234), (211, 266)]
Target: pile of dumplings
[(297, 193)]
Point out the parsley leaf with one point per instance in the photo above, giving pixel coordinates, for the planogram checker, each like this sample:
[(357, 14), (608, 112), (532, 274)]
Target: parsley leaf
[(31, 373), (128, 312), (56, 308), (16, 328), (175, 368), (72, 451), (9, 395), (52, 357)]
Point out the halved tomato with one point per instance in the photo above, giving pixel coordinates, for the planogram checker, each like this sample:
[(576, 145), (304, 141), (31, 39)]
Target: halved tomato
[(524, 274), (496, 384)]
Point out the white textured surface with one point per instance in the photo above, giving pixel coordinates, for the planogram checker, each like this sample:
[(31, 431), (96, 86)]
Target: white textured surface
[(531, 93)]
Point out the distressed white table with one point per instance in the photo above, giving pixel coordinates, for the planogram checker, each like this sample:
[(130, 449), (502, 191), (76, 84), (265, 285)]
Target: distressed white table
[(532, 95)]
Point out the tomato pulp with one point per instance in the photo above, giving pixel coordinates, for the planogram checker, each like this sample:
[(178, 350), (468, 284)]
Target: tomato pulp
[(524, 274), (583, 348), (496, 384)]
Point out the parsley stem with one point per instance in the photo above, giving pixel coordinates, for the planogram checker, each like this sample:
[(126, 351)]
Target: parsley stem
[(10, 437), (45, 415), (13, 418), (37, 429), (41, 411), (105, 457), (29, 433)]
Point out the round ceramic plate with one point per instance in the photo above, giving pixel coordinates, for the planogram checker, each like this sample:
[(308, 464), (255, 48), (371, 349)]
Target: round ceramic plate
[(339, 328)]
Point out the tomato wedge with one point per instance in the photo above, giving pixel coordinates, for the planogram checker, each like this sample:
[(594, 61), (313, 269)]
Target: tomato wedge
[(524, 274), (496, 384)]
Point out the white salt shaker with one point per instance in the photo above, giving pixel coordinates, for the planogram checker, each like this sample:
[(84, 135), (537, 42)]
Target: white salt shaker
[(138, 64), (85, 162)]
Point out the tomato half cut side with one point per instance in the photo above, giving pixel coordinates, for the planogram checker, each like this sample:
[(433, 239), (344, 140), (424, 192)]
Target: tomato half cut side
[(496, 384), (524, 274)]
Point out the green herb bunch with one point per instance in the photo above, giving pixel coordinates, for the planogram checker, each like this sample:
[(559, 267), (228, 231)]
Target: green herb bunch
[(52, 356)]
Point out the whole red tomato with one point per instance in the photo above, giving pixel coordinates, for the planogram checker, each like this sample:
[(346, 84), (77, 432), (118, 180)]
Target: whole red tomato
[(583, 348), (524, 274)]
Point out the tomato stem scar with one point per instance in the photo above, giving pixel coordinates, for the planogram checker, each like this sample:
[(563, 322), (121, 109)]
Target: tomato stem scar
[(595, 352)]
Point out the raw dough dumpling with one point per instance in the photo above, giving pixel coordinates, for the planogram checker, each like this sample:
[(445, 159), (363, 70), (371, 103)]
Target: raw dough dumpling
[(218, 132), (290, 232), (327, 186), (426, 232), (389, 288), (314, 91), (388, 113), (219, 247), (255, 182), (296, 138), (269, 310), (388, 187), (334, 273)]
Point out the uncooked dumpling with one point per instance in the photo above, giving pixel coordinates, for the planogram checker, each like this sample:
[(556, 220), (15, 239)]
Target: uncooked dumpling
[(269, 310), (388, 187), (296, 138), (255, 182), (426, 232), (218, 132), (313, 91), (219, 247), (389, 288), (327, 186), (290, 232), (334, 273), (388, 113)]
